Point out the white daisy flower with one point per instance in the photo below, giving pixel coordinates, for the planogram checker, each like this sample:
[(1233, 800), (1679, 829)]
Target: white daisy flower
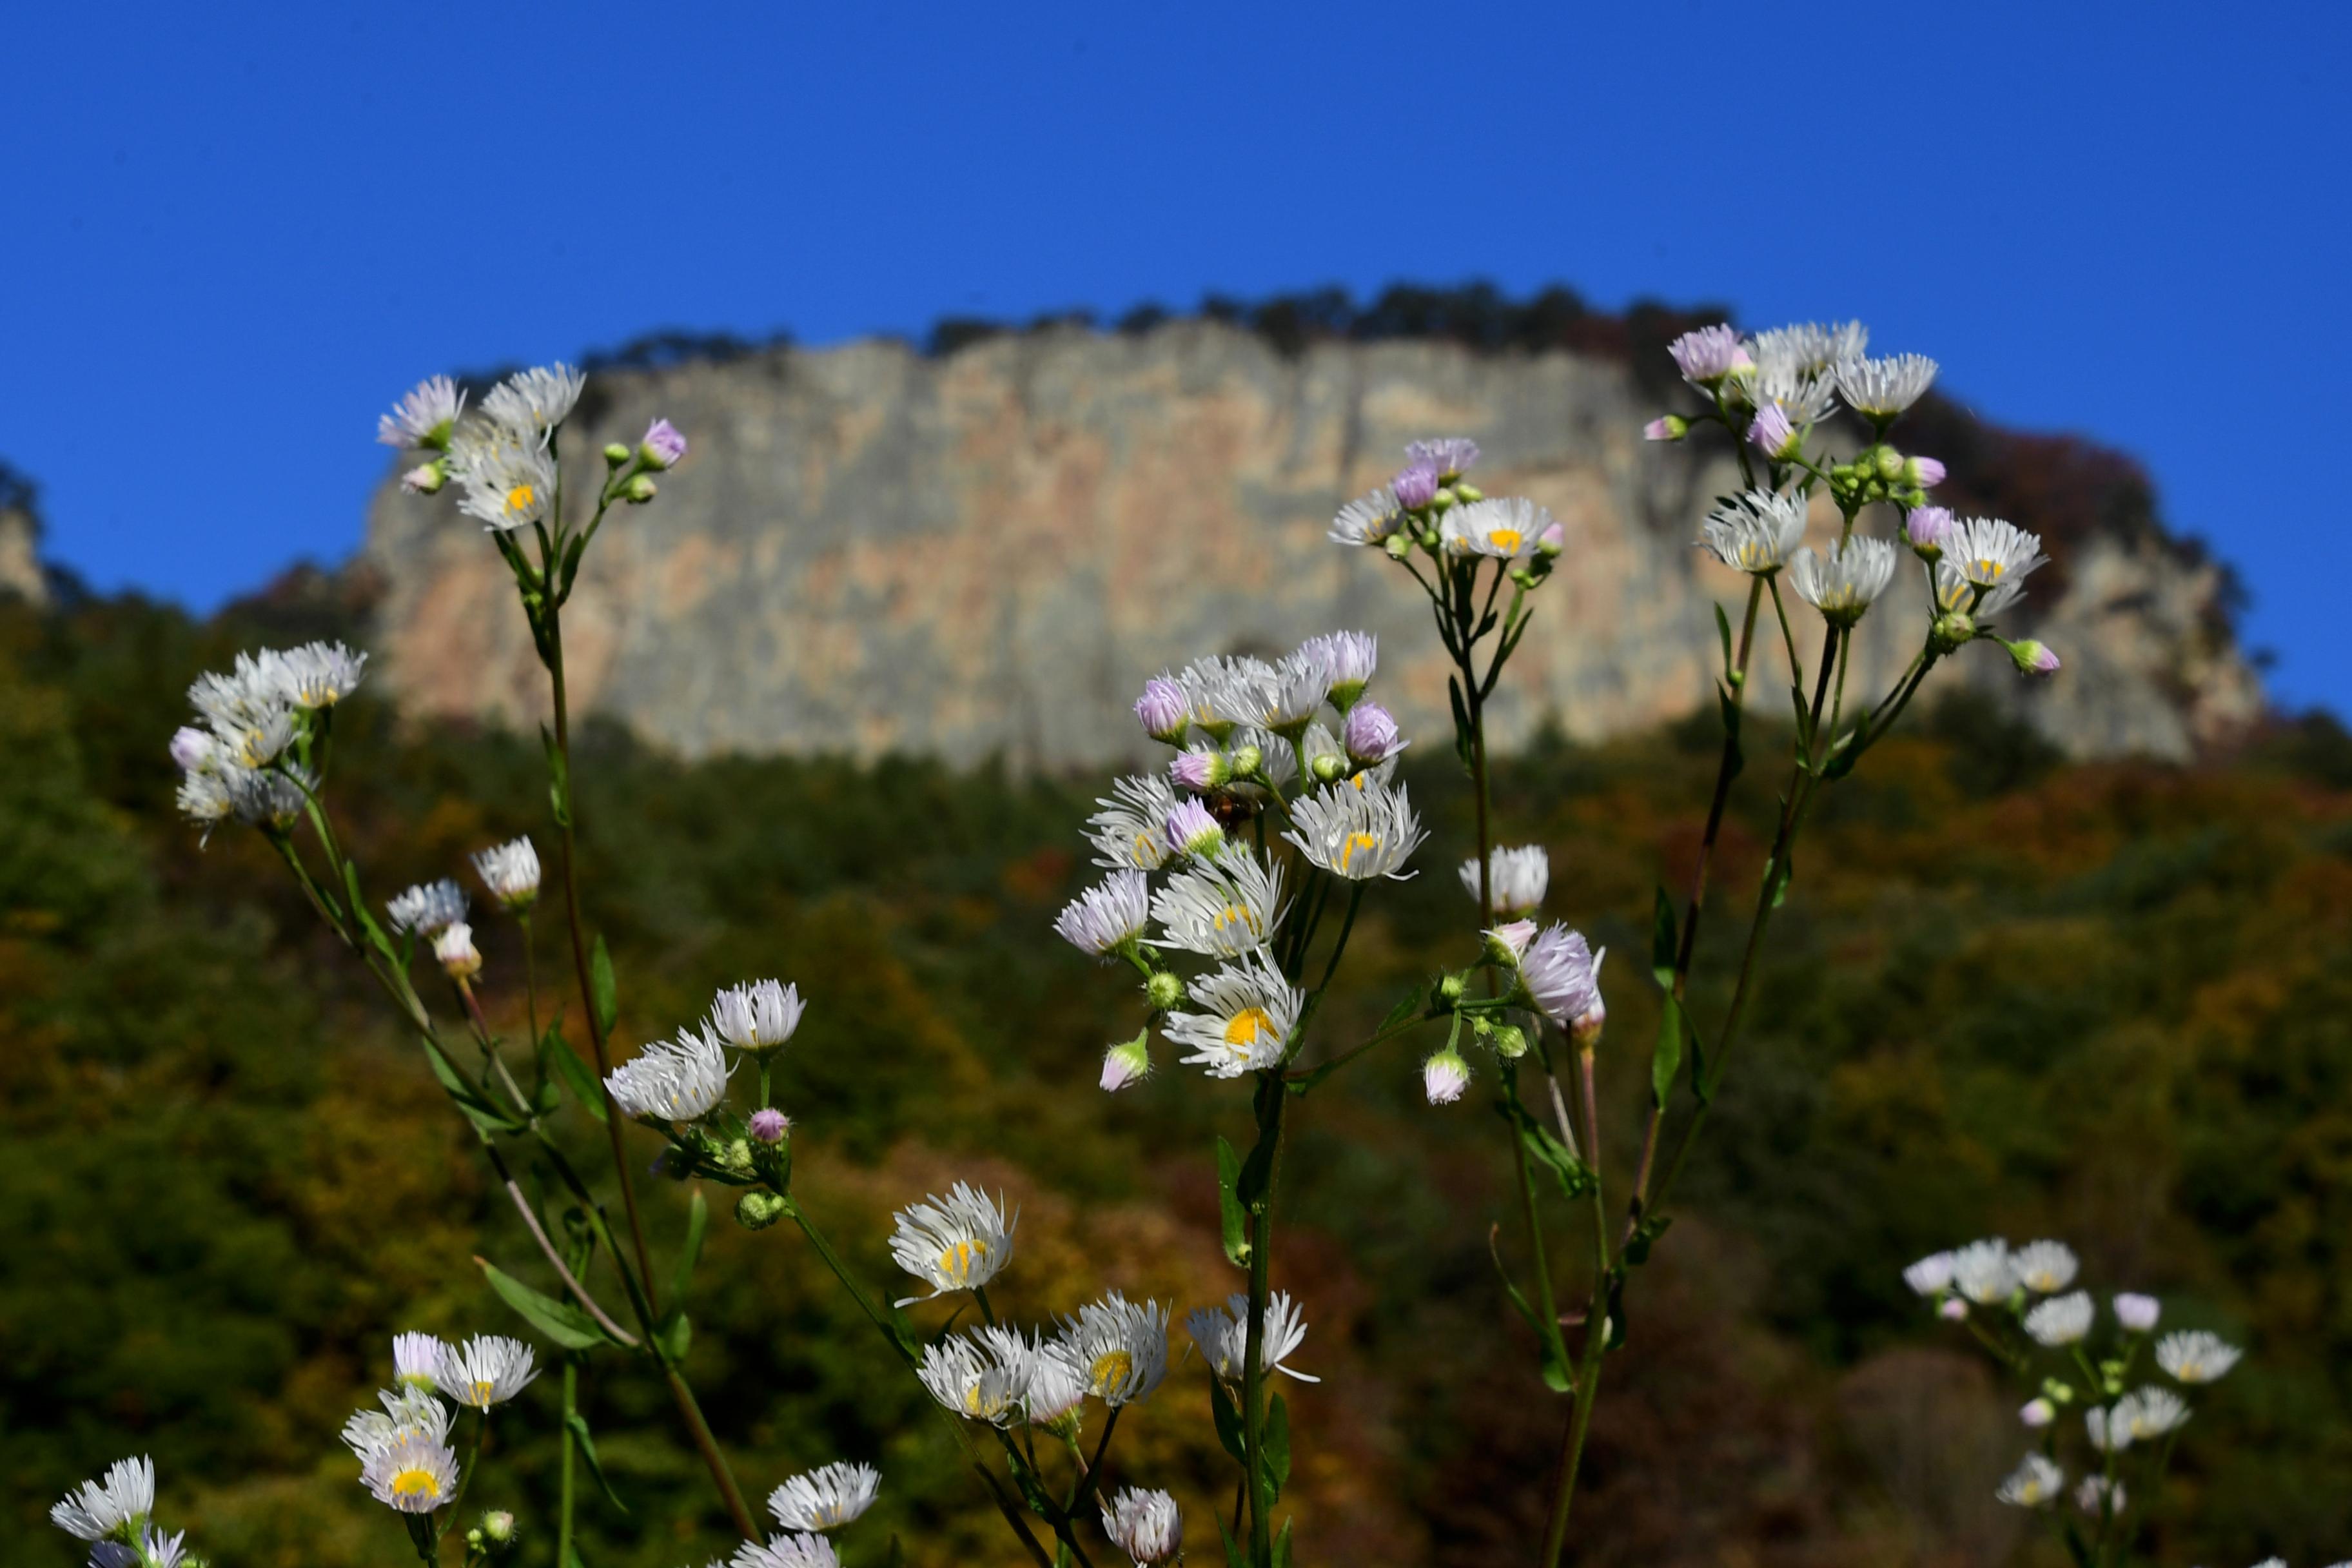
[(1931, 1275), (2096, 1495), (757, 1017), (422, 417), (2035, 1483), (1225, 692), (2135, 1312), (511, 871), (970, 1382), (1516, 879), (2192, 1355), (826, 1499), (2109, 1433), (317, 674), (1956, 593), (1107, 918), (117, 1503), (486, 1369), (1302, 683), (406, 1412), (786, 1552), (2061, 1320), (1358, 834), (1053, 1387), (1130, 830), (1505, 529), (1222, 1337), (1808, 348), (2044, 1268), (1879, 389), (2149, 1413), (1367, 520), (1755, 531), (427, 907), (1560, 971), (1146, 1525), (958, 1242), (1990, 552), (417, 1360), (1981, 1271), (1352, 657), (454, 948), (507, 479), (1120, 1347), (1223, 909), (1842, 581), (533, 401), (672, 1080), (1247, 1012), (414, 1474)]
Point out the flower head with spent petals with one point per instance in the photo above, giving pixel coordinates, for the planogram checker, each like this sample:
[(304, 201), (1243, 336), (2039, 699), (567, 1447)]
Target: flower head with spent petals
[(1247, 1011), (1221, 910), (422, 419), (2044, 1268), (1755, 531), (1808, 348), (1955, 595), (116, 1504), (1517, 879), (672, 1080), (2061, 1320), (427, 907), (1707, 355), (2193, 1355), (1879, 389), (414, 1474), (1505, 529), (1558, 973), (1119, 1348), (511, 871), (1414, 485), (1146, 1525), (1130, 830), (1931, 1276), (958, 1242), (1222, 1337), (2035, 1483), (1842, 581), (2098, 1495), (486, 1369), (1368, 519), (532, 401), (1107, 917), (826, 1499), (1443, 1076), (757, 1017), (1357, 833)]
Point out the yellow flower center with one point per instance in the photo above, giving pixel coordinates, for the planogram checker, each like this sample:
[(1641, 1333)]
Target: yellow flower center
[(958, 1261), (1244, 1027), (521, 497), (1145, 847), (1367, 842), (416, 1483), (1506, 540), (1111, 1372), (1991, 569), (482, 1392), (1235, 915)]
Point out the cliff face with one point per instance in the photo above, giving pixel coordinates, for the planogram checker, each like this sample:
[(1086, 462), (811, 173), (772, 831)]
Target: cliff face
[(867, 550)]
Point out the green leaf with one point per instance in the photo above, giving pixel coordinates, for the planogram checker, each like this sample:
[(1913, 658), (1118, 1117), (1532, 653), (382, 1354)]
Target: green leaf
[(1555, 1370), (1282, 1547), (1229, 1205), (1646, 1236), (697, 1221), (1666, 1056), (603, 988), (1782, 869), (1843, 754), (1723, 628), (561, 1322), (1575, 1179), (1804, 718), (579, 1425), (558, 778), (674, 1334), (895, 1554), (1257, 1176), (1404, 1009), (1235, 1557), (1461, 720), (1229, 1421), (1664, 940), (482, 1112), (1277, 1447), (575, 1562), (574, 1072)]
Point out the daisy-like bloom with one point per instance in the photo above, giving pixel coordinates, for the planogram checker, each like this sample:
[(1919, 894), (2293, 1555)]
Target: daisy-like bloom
[(2098, 1495), (533, 401), (1163, 709), (1127, 1062), (1223, 1338), (958, 1242), (1445, 1076), (1931, 1276), (509, 478), (1371, 735), (2061, 1320), (1808, 347), (1505, 529), (1842, 581), (427, 907), (1981, 1271), (511, 871), (1226, 693), (969, 1382), (1450, 456), (2149, 1413), (2037, 1412), (2035, 1483), (1414, 485), (116, 1504), (1955, 595), (1990, 552), (1367, 520), (422, 417), (826, 1499), (786, 1552), (1774, 433), (1053, 1387), (1119, 1348), (317, 674), (1349, 659), (1755, 531), (1221, 910), (2044, 1268), (414, 1474), (2136, 1313), (1246, 1017), (406, 1412), (1561, 974), (2032, 658), (454, 947), (768, 1125), (1190, 830), (486, 1369), (1358, 834), (672, 1080), (662, 446), (417, 1359), (1801, 397), (2108, 1433), (155, 1550), (1130, 831), (1107, 917), (1146, 1525), (2195, 1356), (1927, 529), (1302, 683), (758, 1018), (1517, 879), (1707, 355), (1879, 389)]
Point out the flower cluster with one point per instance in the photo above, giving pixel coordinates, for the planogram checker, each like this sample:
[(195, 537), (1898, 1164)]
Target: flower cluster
[(255, 752), (115, 1514), (407, 1460)]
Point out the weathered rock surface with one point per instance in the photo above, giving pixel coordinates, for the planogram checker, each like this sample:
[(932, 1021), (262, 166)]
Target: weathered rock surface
[(867, 550)]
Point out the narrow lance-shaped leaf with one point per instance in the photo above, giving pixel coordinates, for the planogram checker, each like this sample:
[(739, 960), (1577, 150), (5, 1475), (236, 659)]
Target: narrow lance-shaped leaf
[(698, 1222), (603, 988), (1229, 1205), (579, 1425), (561, 1322), (1666, 1056), (575, 1073), (1663, 941), (1555, 1374)]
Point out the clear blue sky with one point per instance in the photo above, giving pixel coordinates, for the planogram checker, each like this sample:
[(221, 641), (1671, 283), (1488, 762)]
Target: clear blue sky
[(235, 233)]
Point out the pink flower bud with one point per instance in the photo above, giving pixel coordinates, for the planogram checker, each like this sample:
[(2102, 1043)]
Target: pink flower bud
[(1414, 487), (768, 1125), (662, 446), (1667, 427), (1371, 735), (1162, 709)]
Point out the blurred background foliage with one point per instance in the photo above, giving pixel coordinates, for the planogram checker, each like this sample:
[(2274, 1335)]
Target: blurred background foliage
[(2105, 1002)]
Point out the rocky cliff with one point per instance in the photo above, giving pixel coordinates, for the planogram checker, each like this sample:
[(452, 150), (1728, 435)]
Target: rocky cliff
[(868, 549)]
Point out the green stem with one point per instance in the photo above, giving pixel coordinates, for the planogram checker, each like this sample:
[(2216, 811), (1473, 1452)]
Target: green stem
[(1596, 1332), (1271, 1096), (465, 1472), (566, 1496)]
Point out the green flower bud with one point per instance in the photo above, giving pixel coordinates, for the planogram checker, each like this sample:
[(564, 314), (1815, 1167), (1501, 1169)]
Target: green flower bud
[(1889, 463), (1442, 501), (1468, 492), (1510, 1042), (640, 491), (1329, 768), (1247, 761), (1450, 988), (2059, 1389), (1164, 991), (1398, 546), (758, 1210), (616, 454), (499, 1525)]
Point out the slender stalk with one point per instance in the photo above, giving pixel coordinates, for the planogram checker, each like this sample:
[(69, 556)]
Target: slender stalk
[(1272, 1097), (465, 1472), (1596, 1333), (565, 1493), (708, 1445)]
